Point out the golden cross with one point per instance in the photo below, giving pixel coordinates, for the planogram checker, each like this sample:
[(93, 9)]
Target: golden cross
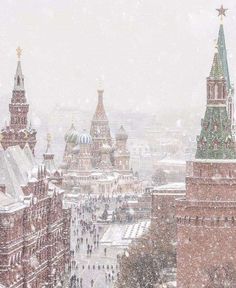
[(18, 52)]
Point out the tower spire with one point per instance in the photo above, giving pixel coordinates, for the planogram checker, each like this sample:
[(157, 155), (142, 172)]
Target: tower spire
[(100, 113), (19, 77), (224, 62)]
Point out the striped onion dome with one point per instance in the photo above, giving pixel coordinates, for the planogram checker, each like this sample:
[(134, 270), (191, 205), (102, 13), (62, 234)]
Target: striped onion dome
[(85, 138)]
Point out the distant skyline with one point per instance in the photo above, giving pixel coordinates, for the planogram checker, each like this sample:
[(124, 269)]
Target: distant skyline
[(152, 55)]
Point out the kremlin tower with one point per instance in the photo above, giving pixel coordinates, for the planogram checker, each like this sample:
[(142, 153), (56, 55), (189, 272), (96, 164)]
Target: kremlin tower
[(206, 230), (19, 132)]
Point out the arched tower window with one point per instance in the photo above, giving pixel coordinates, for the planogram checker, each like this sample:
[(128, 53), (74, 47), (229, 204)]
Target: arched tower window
[(216, 92), (18, 80)]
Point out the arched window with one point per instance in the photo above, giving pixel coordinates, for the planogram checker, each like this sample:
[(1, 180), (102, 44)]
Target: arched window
[(18, 80), (216, 91)]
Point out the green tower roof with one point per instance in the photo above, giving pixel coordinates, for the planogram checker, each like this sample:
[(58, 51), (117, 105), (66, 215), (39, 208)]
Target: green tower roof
[(223, 55), (215, 140), (216, 69)]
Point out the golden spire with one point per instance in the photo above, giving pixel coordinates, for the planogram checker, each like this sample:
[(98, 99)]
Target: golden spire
[(18, 52)]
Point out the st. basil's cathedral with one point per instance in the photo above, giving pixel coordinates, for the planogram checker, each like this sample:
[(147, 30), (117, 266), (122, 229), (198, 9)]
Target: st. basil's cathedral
[(95, 162)]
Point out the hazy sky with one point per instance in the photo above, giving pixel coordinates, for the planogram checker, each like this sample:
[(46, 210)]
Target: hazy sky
[(152, 54)]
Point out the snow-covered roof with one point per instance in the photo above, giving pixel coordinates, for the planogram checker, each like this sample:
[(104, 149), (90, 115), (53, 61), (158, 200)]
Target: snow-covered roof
[(171, 186), (8, 203), (215, 160), (15, 170), (172, 161)]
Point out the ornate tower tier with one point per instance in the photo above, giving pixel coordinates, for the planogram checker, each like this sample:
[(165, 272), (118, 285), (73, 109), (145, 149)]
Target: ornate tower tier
[(121, 154), (206, 226), (229, 86), (216, 140), (18, 132), (100, 130)]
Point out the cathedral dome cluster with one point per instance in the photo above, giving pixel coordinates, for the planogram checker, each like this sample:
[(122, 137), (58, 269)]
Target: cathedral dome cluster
[(97, 149)]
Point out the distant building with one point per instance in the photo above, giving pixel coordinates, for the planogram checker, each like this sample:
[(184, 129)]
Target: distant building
[(35, 228), (163, 218), (174, 169)]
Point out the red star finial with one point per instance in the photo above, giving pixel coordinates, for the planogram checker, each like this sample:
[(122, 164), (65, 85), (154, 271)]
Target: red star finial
[(221, 11)]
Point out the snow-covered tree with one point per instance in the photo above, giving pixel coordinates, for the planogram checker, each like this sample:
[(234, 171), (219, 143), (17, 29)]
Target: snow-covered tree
[(142, 264)]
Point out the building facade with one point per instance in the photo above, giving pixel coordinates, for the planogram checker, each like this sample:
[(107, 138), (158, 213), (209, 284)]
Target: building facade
[(206, 250), (35, 228)]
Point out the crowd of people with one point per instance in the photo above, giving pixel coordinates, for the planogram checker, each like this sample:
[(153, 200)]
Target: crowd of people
[(85, 241)]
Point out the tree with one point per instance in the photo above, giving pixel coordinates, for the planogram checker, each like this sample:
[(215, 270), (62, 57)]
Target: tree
[(142, 264), (104, 214), (221, 276), (159, 177)]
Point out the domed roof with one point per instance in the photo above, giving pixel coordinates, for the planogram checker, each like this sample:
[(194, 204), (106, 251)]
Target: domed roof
[(121, 133), (71, 135), (85, 138)]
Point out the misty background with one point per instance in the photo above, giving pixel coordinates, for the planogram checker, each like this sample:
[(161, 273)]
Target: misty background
[(153, 57)]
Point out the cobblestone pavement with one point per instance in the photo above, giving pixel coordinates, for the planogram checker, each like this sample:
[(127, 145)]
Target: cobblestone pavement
[(97, 268)]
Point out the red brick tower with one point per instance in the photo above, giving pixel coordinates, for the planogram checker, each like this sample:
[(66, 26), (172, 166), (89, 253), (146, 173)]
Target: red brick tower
[(206, 226), (18, 132)]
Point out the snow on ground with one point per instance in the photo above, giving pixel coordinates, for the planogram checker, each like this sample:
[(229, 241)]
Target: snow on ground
[(124, 234)]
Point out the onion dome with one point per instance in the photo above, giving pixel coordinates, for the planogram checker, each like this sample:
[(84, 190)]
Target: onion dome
[(71, 135), (121, 134), (85, 138), (105, 149)]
